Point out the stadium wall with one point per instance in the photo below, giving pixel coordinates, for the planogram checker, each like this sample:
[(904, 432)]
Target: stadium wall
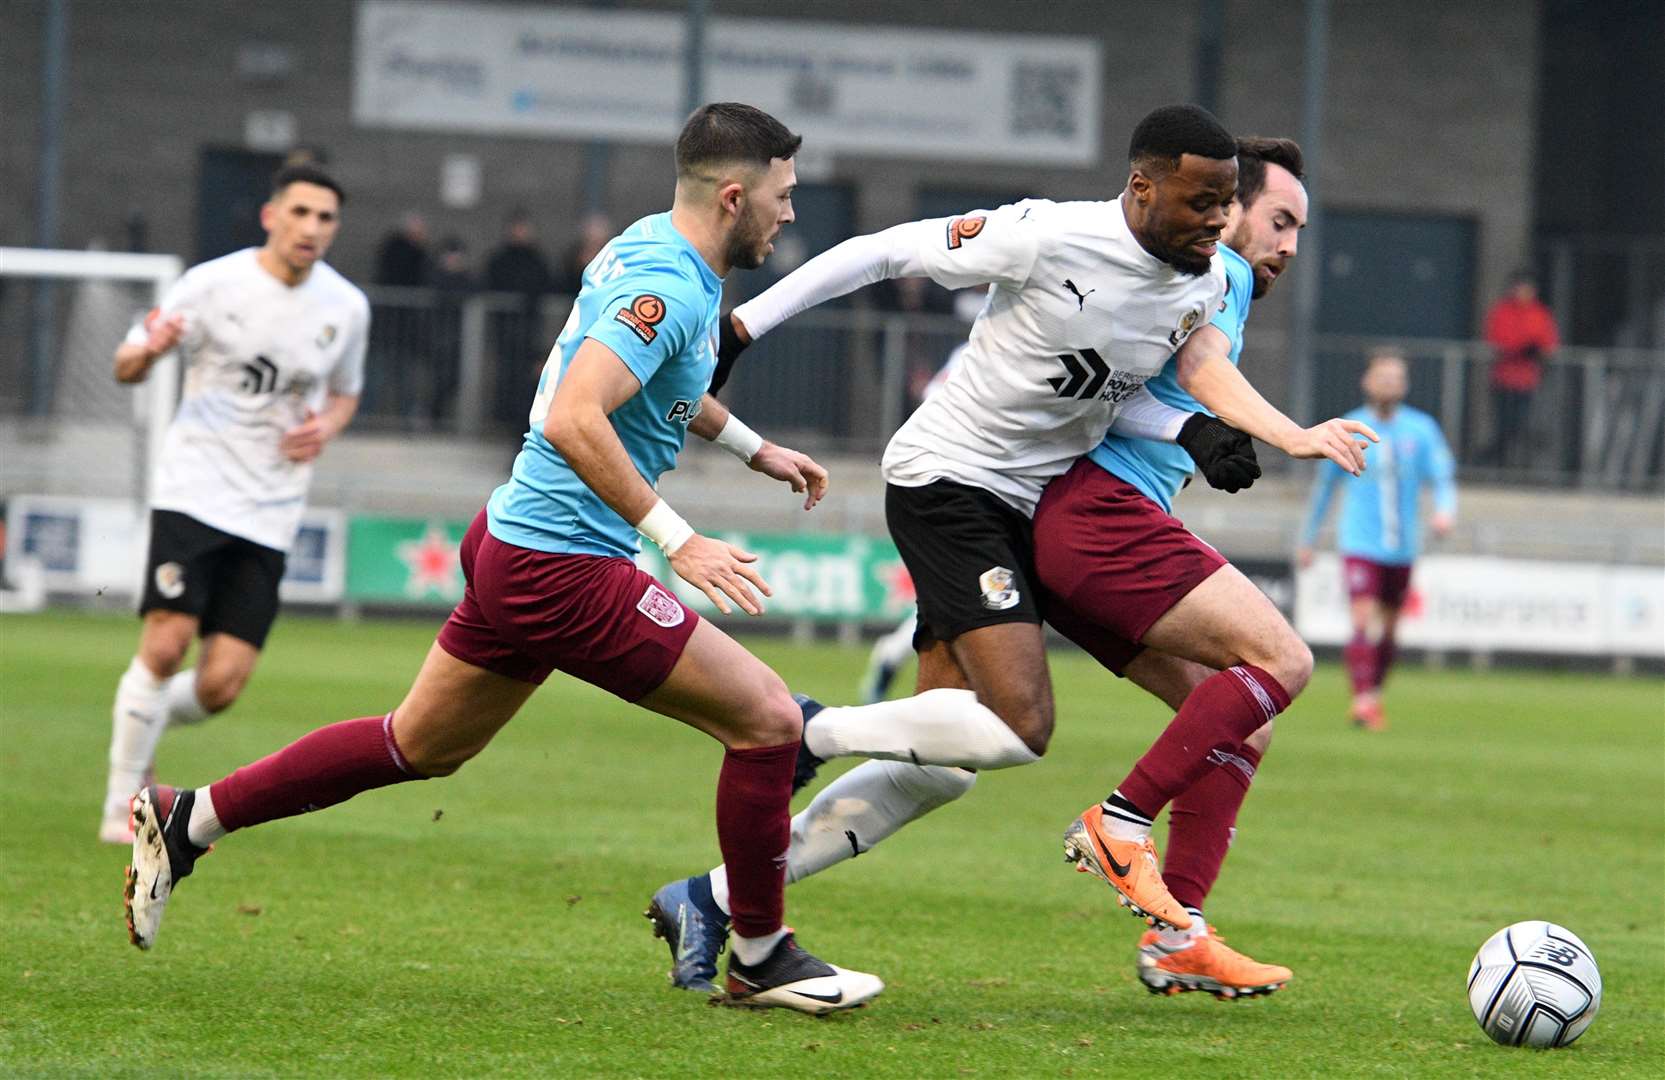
[(1430, 108)]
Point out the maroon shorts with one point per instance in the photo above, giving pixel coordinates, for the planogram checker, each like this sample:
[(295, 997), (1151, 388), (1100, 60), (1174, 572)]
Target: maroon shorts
[(1380, 581), (1111, 562), (526, 613)]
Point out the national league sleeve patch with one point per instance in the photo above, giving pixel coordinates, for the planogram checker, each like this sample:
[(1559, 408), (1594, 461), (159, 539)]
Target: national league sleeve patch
[(961, 229), (644, 313)]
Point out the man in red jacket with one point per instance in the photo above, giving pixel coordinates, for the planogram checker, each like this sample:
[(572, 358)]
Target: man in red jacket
[(1522, 332)]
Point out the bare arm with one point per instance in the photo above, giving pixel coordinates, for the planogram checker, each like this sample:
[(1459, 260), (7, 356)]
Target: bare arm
[(134, 361), (1204, 369), (596, 383), (717, 424), (306, 440)]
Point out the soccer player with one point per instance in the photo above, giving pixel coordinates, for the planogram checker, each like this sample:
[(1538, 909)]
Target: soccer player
[(273, 340), (551, 583), (1381, 530), (1089, 300), (1129, 583)]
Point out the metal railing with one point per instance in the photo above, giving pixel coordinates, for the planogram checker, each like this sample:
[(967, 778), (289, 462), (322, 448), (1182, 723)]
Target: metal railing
[(1595, 421), (844, 380)]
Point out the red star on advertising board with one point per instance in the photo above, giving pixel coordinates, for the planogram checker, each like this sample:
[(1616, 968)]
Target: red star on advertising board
[(432, 562), (898, 584)]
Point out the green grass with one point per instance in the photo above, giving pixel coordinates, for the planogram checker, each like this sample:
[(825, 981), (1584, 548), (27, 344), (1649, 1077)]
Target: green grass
[(504, 937)]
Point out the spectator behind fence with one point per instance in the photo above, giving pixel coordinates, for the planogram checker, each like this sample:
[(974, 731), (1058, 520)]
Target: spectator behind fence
[(1521, 332), (517, 266), (452, 280), (402, 257), (593, 235)]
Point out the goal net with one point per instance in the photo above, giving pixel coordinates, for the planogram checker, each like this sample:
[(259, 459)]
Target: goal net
[(76, 447)]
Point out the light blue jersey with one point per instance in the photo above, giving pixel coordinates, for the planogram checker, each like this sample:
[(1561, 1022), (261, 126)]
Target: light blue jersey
[(649, 297), (1381, 511), (1161, 469)]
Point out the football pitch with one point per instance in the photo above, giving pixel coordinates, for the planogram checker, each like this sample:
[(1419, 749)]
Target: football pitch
[(490, 924)]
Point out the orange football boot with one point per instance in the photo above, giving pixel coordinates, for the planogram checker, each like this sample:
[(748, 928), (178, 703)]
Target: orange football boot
[(1206, 963), (1128, 866)]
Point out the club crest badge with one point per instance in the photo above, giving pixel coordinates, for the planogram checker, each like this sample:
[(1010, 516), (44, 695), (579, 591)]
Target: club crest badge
[(170, 580), (1187, 323), (998, 593), (661, 607)]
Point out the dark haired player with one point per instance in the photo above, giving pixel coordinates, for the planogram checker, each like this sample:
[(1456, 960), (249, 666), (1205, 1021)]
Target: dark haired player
[(551, 583), (273, 341), (1380, 531), (1130, 584), (1088, 301)]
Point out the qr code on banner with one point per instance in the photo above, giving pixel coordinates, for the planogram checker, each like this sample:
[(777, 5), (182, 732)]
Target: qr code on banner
[(1044, 98)]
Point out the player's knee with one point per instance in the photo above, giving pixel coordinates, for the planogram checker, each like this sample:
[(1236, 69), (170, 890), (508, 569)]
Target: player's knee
[(1294, 666), (217, 690), (164, 653), (773, 721), (1031, 721), (1286, 658)]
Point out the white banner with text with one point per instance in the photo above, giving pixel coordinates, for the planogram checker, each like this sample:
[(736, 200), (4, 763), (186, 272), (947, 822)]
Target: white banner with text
[(586, 73), (1470, 602)]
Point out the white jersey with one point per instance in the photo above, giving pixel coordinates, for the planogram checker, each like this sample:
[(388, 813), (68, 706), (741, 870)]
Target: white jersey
[(1079, 316), (258, 354)]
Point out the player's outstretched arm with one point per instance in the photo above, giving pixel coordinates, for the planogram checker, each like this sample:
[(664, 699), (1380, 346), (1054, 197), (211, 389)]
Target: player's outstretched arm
[(1206, 372), (715, 423), (993, 247), (838, 271), (596, 383)]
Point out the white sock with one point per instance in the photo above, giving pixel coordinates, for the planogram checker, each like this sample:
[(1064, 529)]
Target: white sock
[(856, 811), (1179, 939), (938, 727), (752, 950), (719, 887), (204, 828), (136, 724), (180, 696)]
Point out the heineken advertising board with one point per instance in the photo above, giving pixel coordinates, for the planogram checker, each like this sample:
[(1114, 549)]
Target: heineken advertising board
[(413, 561)]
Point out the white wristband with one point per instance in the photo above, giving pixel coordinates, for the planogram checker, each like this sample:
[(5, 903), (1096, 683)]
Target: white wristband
[(738, 439), (665, 527)]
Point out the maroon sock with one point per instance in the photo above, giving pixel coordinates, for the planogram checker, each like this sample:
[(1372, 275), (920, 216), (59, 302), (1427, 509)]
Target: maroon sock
[(1224, 710), (1201, 824), (754, 827), (1360, 658), (328, 766), (1386, 650)]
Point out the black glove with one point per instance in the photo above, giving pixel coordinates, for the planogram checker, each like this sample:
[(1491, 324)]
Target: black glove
[(1224, 455), (729, 348)]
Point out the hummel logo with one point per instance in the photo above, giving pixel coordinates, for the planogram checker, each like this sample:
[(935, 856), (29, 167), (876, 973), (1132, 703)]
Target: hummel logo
[(1118, 868), (260, 377), (1080, 297)]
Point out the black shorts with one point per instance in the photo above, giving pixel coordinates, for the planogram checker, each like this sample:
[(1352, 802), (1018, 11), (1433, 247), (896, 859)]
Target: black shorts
[(227, 582), (972, 557)]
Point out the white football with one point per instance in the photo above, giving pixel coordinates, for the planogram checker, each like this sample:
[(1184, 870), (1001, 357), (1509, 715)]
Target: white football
[(1534, 984)]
